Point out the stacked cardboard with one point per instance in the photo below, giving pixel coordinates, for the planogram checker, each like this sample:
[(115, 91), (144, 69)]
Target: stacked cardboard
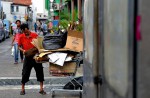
[(74, 44)]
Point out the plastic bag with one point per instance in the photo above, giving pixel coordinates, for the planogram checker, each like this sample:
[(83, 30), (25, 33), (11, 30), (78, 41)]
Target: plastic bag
[(54, 41), (12, 51)]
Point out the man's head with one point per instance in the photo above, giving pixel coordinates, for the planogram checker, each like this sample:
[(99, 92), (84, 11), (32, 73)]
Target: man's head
[(18, 22), (25, 29)]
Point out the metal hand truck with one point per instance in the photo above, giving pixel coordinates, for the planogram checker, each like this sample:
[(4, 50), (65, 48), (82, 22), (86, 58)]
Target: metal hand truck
[(68, 70)]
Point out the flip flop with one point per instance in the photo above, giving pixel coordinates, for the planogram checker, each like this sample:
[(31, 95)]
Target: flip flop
[(22, 92), (42, 92), (16, 63)]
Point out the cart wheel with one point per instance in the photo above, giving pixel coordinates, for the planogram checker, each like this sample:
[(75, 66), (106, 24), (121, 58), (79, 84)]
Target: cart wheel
[(53, 94), (80, 94)]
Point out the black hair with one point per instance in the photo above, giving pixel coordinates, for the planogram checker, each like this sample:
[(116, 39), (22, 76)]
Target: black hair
[(18, 21), (23, 26)]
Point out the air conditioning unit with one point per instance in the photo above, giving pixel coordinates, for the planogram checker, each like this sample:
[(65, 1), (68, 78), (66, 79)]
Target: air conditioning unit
[(55, 6)]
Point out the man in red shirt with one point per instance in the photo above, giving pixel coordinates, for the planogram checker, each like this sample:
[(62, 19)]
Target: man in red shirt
[(24, 45)]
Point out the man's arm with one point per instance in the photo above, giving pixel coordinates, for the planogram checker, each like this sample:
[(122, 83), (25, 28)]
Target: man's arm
[(20, 48), (13, 38)]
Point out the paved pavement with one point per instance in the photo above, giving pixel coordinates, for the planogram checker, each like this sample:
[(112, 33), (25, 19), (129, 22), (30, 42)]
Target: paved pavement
[(8, 69), (34, 94), (10, 77)]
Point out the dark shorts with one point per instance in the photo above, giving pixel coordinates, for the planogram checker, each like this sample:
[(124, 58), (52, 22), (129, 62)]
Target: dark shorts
[(27, 66)]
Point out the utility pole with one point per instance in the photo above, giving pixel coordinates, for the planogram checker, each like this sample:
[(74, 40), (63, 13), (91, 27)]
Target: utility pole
[(60, 8), (0, 10), (79, 11), (50, 12), (72, 9)]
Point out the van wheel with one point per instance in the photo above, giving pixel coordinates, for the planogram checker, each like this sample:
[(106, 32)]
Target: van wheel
[(8, 36), (3, 38)]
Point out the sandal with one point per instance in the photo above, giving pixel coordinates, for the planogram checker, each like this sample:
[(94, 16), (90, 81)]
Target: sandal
[(16, 63), (22, 92), (42, 92)]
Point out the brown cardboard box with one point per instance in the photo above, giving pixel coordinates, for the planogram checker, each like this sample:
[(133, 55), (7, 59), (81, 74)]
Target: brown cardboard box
[(74, 41), (67, 68)]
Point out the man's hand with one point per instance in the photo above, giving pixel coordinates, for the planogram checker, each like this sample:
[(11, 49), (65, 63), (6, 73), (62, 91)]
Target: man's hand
[(11, 44), (24, 51), (20, 48)]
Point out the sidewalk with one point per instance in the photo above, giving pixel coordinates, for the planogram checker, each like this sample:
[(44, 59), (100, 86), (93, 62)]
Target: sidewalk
[(9, 69), (34, 94), (10, 77)]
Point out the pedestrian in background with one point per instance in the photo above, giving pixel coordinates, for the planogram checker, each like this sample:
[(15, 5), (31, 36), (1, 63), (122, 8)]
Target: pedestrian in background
[(25, 46), (50, 25), (16, 34), (39, 27), (44, 28), (35, 27)]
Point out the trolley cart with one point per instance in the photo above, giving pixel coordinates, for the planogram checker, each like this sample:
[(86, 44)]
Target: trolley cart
[(68, 70)]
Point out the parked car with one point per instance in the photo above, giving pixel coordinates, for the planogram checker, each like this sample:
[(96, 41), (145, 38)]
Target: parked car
[(6, 28), (2, 31), (6, 31)]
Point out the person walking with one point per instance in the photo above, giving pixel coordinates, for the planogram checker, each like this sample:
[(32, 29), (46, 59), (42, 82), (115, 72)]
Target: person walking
[(39, 27), (35, 27), (16, 34), (25, 46), (50, 25)]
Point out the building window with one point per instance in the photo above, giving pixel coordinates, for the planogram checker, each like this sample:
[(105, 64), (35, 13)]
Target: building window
[(12, 8), (17, 8)]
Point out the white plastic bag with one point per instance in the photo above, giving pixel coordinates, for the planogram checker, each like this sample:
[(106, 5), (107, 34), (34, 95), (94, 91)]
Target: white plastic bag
[(12, 51)]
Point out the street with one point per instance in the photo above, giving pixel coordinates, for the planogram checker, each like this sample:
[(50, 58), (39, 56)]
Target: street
[(10, 78), (102, 44)]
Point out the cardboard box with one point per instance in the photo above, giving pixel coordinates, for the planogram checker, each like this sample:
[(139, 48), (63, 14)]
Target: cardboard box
[(74, 41), (67, 68)]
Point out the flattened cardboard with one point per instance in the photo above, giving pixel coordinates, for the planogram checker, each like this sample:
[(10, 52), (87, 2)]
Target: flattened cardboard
[(68, 67), (74, 41), (74, 44)]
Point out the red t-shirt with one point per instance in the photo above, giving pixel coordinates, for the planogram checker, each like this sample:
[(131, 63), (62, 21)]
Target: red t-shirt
[(25, 42)]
